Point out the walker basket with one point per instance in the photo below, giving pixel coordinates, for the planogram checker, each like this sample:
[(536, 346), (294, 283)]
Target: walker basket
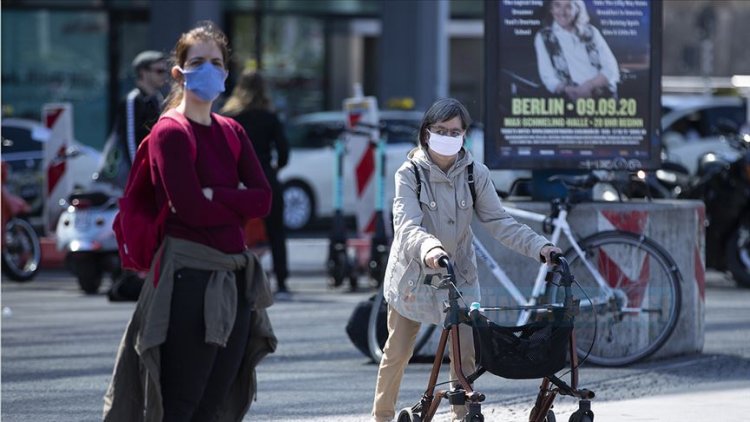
[(535, 350)]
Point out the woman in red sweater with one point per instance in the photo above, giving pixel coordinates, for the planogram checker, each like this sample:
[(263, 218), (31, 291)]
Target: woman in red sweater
[(192, 331)]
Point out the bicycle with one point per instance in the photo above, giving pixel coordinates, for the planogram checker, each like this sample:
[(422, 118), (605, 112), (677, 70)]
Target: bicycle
[(623, 318), (21, 248)]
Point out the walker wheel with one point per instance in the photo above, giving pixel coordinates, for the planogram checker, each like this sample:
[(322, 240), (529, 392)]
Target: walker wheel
[(584, 412), (406, 415), (579, 416), (549, 418)]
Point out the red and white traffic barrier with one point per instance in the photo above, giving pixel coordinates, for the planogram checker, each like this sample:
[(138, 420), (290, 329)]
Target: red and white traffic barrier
[(58, 184), (362, 118)]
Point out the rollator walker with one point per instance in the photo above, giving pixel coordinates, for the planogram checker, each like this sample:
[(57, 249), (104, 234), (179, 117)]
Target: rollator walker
[(536, 350)]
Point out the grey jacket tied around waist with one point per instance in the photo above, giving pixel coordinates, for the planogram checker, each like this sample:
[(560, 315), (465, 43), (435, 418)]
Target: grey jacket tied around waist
[(134, 393), (221, 291)]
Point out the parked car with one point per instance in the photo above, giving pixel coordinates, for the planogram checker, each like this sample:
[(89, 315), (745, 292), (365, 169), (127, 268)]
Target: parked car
[(22, 148), (308, 178), (690, 126)]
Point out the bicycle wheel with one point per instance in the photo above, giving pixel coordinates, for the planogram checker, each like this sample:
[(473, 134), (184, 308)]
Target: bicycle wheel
[(22, 251), (640, 313), (377, 329)]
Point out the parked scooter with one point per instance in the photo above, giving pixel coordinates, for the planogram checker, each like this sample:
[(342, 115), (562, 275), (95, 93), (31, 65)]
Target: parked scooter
[(666, 182), (84, 232), (21, 249), (339, 264), (379, 243), (723, 183), (84, 229)]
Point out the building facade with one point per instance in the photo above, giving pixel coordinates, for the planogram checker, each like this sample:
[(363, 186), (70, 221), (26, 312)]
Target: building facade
[(312, 51)]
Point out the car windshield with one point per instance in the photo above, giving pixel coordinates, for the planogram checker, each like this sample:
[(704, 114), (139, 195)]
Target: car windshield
[(705, 122), (20, 150), (401, 131), (319, 134), (314, 134), (17, 139)]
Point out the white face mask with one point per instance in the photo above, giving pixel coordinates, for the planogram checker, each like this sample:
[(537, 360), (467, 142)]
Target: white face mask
[(445, 145)]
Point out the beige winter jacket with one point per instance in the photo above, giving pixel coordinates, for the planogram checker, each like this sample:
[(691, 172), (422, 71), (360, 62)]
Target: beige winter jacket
[(444, 220)]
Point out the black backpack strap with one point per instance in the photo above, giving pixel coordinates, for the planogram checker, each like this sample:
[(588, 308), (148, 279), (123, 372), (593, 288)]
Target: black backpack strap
[(471, 184), (415, 169), (472, 188)]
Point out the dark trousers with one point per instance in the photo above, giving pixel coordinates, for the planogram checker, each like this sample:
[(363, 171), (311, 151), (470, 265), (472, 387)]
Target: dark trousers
[(277, 233), (196, 376)]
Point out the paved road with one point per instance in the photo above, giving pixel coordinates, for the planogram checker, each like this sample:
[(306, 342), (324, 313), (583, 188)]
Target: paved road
[(58, 347)]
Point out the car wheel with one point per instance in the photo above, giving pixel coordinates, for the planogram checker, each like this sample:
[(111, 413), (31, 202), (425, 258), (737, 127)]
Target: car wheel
[(299, 205)]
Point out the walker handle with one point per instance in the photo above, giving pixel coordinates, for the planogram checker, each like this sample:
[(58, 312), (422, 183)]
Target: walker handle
[(444, 262), (562, 263), (556, 259)]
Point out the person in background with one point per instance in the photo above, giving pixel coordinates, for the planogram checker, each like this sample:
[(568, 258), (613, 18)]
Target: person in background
[(200, 325), (573, 58), (431, 222), (136, 114), (251, 106), (141, 107)]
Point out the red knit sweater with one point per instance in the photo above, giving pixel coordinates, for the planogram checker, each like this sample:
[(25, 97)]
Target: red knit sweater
[(218, 222)]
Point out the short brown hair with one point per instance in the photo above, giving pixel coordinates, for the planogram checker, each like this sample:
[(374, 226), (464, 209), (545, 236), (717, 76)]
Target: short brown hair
[(440, 111)]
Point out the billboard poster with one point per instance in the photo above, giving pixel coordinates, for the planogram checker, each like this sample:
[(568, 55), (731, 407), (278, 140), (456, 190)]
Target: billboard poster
[(573, 84)]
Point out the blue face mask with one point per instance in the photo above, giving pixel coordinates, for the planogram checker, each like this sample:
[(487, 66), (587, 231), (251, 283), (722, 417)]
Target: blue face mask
[(206, 81)]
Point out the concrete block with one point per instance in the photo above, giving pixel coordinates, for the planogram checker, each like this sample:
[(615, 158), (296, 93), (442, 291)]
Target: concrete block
[(678, 226)]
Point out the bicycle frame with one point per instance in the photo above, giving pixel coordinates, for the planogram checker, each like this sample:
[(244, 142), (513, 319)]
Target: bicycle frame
[(560, 226)]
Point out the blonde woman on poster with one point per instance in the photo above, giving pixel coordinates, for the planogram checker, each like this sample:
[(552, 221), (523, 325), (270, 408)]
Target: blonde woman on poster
[(573, 58)]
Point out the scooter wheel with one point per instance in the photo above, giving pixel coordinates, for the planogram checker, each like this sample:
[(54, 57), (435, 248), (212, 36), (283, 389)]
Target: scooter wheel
[(377, 270), (88, 271), (338, 268)]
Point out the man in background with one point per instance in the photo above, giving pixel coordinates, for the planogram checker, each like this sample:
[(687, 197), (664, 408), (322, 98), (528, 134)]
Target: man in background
[(136, 114)]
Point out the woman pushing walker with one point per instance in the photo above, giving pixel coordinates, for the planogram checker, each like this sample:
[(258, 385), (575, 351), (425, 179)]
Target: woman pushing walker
[(432, 213)]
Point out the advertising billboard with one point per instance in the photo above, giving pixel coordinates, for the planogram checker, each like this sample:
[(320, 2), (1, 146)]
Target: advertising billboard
[(572, 84)]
